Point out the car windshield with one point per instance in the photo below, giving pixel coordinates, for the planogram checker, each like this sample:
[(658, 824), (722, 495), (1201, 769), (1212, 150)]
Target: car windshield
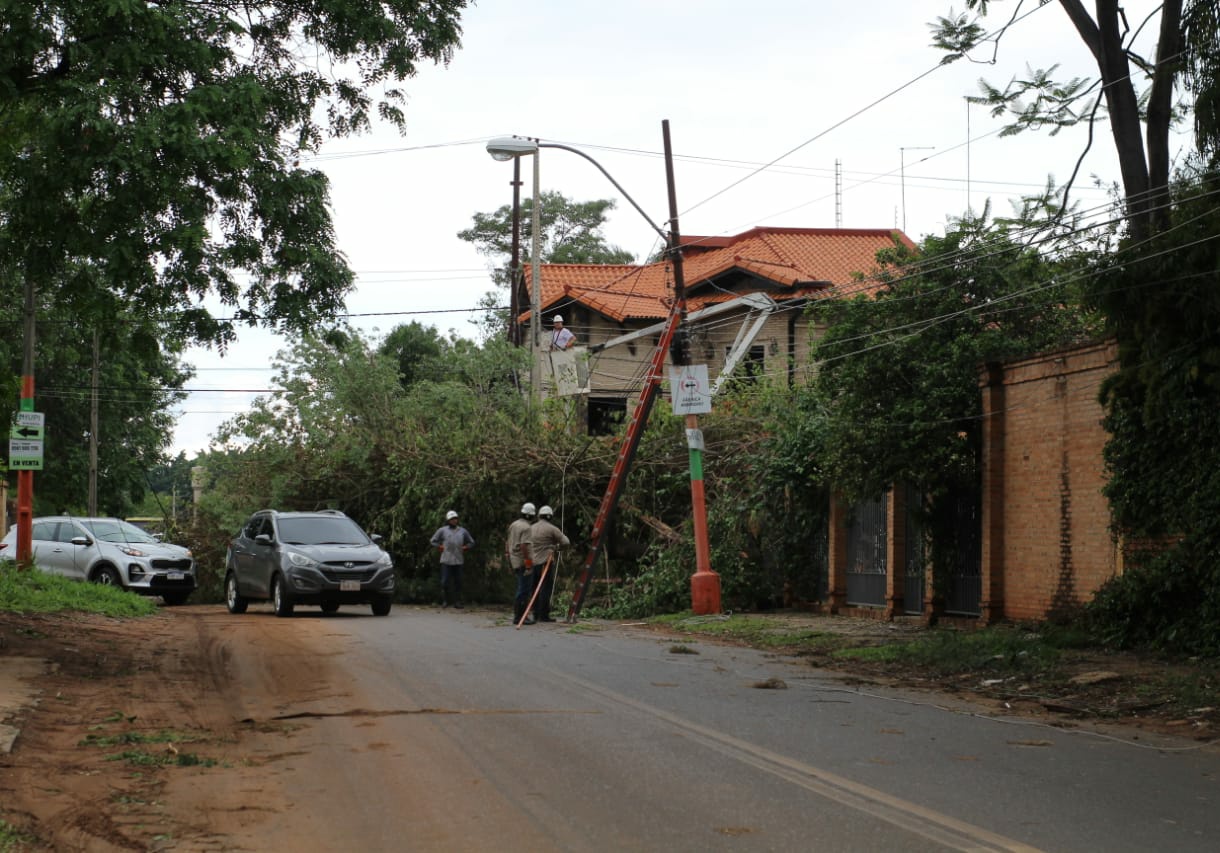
[(113, 530), (321, 530)]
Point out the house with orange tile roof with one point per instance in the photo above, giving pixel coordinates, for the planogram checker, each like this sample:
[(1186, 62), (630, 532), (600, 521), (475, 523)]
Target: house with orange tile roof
[(791, 266)]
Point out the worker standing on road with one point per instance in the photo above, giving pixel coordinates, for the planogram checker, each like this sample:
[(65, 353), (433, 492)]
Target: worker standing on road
[(545, 540), (517, 549), (453, 541)]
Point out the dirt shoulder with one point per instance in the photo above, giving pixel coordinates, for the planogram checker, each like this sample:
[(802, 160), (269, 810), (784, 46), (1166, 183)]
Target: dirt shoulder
[(129, 714), (1134, 692), (124, 708)]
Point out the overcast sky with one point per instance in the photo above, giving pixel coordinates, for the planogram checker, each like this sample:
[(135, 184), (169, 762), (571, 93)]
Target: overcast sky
[(742, 85)]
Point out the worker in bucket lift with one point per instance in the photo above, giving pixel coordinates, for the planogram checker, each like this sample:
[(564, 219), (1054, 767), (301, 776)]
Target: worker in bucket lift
[(561, 338), (545, 541)]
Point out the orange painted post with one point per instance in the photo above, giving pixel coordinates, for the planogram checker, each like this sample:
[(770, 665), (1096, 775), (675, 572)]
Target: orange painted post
[(704, 583), (25, 486)]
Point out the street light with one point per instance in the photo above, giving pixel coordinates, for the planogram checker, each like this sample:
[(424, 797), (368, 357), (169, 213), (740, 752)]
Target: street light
[(705, 584), (505, 148)]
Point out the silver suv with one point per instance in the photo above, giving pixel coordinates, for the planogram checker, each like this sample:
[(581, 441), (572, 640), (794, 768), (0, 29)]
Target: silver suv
[(109, 551), (321, 558)]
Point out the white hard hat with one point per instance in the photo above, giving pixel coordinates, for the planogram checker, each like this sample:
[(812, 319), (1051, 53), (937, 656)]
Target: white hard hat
[(528, 509), (546, 512), (558, 318), (451, 515)]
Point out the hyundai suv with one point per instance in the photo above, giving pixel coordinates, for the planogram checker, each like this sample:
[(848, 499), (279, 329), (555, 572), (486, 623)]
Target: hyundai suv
[(108, 551), (321, 558)]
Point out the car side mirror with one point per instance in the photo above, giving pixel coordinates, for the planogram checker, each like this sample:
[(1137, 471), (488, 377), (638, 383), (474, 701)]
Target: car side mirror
[(377, 538), (263, 539), (82, 540)]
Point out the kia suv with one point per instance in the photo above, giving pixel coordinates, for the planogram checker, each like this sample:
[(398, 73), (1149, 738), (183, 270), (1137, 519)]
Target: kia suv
[(108, 551), (321, 558)]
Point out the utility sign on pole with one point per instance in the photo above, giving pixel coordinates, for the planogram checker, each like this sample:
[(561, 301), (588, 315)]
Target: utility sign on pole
[(690, 390)]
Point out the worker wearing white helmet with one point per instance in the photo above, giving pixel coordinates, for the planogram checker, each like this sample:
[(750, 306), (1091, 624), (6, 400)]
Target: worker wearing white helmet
[(561, 338), (453, 541), (545, 541), (517, 550)]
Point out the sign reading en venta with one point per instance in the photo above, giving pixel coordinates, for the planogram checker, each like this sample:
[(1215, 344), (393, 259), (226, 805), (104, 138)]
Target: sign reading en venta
[(25, 441)]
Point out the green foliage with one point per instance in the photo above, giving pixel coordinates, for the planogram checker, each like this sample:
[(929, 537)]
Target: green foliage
[(14, 839), (32, 591), (570, 232), (758, 632), (766, 510), (1170, 602), (1136, 95), (898, 382), (1004, 649), (346, 433), (1163, 411), (151, 150), (139, 370)]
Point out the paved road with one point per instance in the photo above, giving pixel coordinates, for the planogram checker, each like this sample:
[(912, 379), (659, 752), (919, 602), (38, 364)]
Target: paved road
[(446, 730)]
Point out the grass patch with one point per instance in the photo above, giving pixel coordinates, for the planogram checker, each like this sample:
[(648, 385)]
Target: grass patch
[(756, 631), (128, 738), (682, 649), (999, 649), (12, 838), (140, 758), (30, 590)]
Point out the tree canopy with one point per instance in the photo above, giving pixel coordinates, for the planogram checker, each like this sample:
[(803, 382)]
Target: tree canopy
[(152, 149), (897, 385), (570, 233), (1186, 56), (139, 369)]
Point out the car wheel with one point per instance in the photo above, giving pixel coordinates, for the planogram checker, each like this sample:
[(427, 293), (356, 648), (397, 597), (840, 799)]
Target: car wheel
[(330, 607), (173, 599), (233, 599), (381, 606), (280, 598), (108, 576)]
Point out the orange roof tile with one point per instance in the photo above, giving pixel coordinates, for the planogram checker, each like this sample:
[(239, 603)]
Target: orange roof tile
[(792, 262)]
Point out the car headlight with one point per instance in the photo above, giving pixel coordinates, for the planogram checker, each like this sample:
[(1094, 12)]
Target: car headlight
[(383, 562), (301, 561), (132, 551)]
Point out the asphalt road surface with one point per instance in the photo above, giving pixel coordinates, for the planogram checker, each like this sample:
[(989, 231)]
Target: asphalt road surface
[(451, 730)]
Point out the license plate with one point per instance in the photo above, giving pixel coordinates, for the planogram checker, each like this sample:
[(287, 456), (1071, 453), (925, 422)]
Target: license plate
[(176, 576), (349, 586)]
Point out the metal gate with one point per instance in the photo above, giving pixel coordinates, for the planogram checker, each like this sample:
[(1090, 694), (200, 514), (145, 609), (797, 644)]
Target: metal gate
[(965, 593), (866, 540), (915, 575)]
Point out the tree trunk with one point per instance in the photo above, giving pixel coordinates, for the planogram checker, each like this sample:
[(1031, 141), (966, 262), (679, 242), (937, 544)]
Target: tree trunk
[(1160, 110)]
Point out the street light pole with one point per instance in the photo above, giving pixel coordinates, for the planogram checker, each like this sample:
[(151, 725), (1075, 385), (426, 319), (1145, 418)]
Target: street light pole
[(536, 285), (514, 148)]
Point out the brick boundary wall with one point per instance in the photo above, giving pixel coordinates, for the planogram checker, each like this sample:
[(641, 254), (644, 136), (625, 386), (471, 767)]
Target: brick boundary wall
[(1047, 543)]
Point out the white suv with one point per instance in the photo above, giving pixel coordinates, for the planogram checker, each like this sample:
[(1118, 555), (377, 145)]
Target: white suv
[(108, 551)]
